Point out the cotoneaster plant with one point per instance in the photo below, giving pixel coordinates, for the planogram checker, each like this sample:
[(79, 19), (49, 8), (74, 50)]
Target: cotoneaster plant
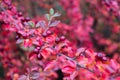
[(48, 53)]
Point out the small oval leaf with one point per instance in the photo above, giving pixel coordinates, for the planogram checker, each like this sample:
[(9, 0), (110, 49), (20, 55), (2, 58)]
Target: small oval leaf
[(47, 16), (35, 75), (51, 11), (55, 23), (41, 24), (56, 15)]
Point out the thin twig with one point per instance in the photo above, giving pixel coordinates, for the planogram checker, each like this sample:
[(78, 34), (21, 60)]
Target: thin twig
[(78, 65)]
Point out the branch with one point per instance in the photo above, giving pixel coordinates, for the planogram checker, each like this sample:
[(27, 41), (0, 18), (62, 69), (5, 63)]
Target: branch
[(78, 65)]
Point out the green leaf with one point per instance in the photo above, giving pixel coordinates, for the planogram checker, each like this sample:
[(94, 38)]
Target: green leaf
[(51, 11), (47, 16), (31, 23)]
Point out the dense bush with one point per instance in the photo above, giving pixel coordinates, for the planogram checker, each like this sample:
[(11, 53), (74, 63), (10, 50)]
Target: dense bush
[(75, 40)]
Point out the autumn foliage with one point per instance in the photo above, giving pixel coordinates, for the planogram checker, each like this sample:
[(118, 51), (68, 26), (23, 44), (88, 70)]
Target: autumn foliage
[(74, 40)]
